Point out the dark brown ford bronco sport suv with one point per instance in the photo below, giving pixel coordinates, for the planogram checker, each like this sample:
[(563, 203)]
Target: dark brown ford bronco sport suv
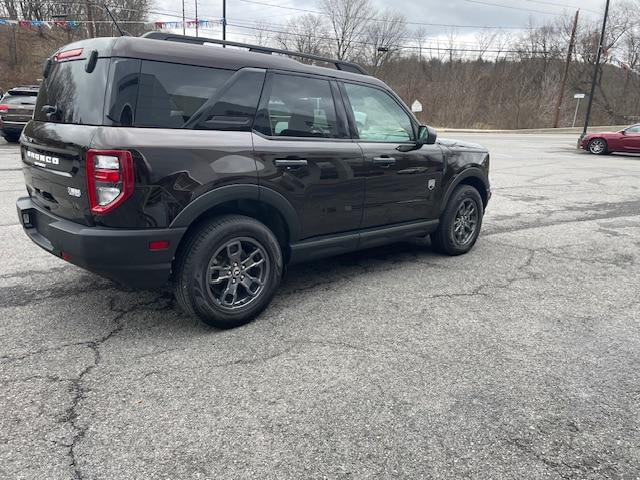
[(168, 159)]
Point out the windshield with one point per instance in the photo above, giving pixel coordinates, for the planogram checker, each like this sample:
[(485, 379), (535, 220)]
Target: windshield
[(71, 95)]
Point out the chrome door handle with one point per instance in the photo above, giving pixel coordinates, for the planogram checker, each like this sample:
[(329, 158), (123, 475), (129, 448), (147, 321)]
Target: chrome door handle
[(290, 162)]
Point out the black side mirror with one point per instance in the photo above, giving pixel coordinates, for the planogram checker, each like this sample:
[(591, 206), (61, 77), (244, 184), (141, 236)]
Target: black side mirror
[(427, 135)]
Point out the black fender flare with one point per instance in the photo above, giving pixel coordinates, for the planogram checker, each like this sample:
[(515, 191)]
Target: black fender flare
[(475, 172), (220, 195)]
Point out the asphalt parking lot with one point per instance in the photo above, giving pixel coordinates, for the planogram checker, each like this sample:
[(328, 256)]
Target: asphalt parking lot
[(519, 360)]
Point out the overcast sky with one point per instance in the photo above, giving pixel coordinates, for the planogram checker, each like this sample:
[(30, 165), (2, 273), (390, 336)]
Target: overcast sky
[(493, 13)]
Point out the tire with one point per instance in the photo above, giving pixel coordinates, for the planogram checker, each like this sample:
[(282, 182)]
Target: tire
[(598, 146), (448, 238), (12, 138), (215, 259)]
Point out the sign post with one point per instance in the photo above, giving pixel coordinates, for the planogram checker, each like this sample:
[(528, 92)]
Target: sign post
[(577, 96)]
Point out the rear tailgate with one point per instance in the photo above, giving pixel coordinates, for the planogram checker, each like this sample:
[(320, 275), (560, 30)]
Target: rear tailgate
[(18, 114), (53, 158), (17, 107), (68, 111)]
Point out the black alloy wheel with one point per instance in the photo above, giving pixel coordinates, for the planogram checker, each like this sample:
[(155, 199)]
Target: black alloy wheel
[(228, 270), (465, 223), (460, 223), (237, 273)]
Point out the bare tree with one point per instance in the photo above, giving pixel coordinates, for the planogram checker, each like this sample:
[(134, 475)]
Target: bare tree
[(420, 36), (485, 40), (306, 34), (347, 20), (263, 34), (452, 37), (502, 42), (384, 36)]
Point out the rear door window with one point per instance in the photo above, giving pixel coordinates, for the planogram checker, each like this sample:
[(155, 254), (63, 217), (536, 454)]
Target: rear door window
[(169, 94), (297, 106)]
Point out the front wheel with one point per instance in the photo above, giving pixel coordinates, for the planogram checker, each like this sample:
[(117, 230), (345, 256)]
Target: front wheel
[(460, 222), (228, 271), (598, 146)]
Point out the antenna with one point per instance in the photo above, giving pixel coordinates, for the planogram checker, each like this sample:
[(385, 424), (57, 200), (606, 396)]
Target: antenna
[(123, 33)]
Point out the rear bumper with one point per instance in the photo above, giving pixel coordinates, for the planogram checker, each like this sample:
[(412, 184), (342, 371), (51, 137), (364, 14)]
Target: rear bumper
[(117, 254)]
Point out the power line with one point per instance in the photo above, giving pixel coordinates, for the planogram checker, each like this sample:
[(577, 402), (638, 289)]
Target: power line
[(514, 8), (266, 26), (404, 47), (563, 5), (429, 24)]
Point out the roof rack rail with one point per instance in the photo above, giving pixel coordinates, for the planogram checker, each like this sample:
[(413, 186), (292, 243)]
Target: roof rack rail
[(339, 64)]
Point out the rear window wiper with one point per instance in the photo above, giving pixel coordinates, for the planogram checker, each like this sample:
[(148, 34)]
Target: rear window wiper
[(49, 110)]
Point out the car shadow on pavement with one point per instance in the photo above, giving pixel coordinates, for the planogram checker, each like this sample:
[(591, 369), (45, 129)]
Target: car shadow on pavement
[(99, 300), (299, 278)]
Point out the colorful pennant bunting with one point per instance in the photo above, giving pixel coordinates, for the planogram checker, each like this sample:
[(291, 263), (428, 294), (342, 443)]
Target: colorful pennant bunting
[(73, 24)]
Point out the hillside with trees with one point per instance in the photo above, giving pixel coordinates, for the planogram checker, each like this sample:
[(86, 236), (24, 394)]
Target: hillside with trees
[(502, 79)]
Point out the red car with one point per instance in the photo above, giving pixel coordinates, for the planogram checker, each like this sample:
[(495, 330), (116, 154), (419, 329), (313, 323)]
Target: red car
[(627, 140)]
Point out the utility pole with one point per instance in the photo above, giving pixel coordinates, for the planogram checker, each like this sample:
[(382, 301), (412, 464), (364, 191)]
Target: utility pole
[(563, 84), (595, 70), (15, 45), (90, 25), (184, 29), (224, 20), (196, 18)]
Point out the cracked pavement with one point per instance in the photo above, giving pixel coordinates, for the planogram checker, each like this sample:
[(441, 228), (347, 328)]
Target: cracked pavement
[(518, 360)]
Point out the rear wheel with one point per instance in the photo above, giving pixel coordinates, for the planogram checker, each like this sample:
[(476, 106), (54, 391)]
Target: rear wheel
[(228, 271), (460, 222), (12, 138), (598, 146)]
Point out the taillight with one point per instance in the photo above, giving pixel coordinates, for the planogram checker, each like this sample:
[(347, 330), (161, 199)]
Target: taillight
[(4, 108), (109, 179)]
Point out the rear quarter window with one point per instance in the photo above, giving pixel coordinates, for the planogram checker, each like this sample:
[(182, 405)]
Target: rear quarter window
[(234, 106), (169, 94)]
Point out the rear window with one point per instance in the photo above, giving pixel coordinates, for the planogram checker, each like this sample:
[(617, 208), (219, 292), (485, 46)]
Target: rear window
[(71, 95), (18, 100)]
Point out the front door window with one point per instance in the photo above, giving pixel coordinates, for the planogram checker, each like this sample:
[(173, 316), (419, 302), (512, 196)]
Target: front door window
[(378, 117)]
